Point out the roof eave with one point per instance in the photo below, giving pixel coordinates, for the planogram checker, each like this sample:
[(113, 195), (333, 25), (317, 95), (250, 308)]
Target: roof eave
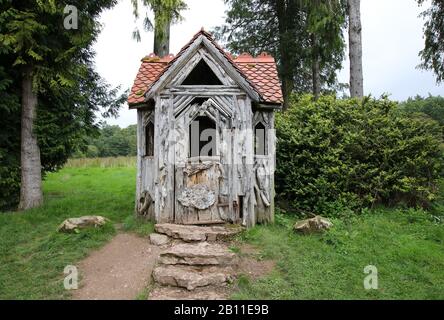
[(269, 105)]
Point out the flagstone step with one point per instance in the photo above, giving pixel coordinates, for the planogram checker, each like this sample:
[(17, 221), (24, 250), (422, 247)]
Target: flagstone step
[(190, 233), (198, 254), (191, 277)]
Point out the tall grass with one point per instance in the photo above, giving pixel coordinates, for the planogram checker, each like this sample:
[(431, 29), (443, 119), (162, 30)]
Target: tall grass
[(111, 162)]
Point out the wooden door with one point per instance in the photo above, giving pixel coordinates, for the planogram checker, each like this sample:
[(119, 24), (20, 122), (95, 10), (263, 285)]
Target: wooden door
[(198, 193)]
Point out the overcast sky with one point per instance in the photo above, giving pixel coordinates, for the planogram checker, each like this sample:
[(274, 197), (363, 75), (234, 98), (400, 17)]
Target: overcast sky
[(392, 38)]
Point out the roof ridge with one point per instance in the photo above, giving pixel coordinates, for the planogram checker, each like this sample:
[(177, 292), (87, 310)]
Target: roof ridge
[(246, 57), (154, 58), (261, 78)]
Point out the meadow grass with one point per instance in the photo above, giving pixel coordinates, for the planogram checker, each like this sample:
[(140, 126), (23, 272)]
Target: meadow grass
[(33, 254), (407, 246)]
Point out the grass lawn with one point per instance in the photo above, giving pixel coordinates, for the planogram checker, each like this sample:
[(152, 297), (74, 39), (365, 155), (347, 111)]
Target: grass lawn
[(33, 255), (405, 246)]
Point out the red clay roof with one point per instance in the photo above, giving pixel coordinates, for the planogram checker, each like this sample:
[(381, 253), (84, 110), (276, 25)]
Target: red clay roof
[(259, 72)]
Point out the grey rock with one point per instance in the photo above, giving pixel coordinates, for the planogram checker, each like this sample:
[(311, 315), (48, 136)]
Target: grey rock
[(73, 224), (314, 225), (159, 239), (197, 233), (198, 254), (192, 277)]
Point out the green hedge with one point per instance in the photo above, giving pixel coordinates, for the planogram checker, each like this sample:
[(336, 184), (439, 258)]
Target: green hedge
[(345, 153)]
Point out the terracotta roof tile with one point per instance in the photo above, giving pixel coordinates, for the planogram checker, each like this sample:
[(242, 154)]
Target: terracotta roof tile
[(263, 73), (260, 72)]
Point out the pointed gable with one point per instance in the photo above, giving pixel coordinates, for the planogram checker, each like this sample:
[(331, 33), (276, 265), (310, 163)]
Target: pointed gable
[(258, 76), (202, 75)]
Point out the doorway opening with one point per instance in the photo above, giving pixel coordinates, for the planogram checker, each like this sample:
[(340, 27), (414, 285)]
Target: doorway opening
[(202, 137)]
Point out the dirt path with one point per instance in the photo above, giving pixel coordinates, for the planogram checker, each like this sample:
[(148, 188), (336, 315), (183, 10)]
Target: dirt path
[(120, 270)]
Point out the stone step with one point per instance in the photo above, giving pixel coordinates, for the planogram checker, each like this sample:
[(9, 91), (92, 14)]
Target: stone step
[(190, 233), (198, 254), (190, 277), (174, 293), (159, 239)]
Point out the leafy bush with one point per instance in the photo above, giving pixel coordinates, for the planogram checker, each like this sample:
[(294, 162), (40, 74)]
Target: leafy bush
[(9, 183), (335, 154), (431, 106)]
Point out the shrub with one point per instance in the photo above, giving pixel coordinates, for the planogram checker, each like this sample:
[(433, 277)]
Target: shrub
[(347, 153), (431, 106), (9, 182)]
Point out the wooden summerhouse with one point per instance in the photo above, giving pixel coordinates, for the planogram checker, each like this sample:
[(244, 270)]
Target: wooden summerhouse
[(205, 137)]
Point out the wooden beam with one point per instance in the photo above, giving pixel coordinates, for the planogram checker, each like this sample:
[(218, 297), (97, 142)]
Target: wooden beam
[(263, 106), (194, 48), (231, 71)]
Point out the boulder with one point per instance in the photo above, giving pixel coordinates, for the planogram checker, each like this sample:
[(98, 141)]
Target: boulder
[(192, 277), (159, 239), (73, 224), (198, 254), (314, 225)]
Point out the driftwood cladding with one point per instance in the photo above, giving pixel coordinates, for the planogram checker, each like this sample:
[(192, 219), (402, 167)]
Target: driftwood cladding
[(201, 123)]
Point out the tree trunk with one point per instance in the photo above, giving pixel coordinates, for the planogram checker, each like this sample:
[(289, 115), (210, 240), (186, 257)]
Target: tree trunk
[(161, 37), (316, 68), (286, 72), (316, 78), (355, 39), (287, 89), (31, 175)]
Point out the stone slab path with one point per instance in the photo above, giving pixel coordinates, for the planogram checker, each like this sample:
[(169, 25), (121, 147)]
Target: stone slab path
[(197, 265), (121, 270)]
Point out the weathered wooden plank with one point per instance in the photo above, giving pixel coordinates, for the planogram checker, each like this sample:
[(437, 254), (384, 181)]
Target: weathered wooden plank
[(225, 101), (268, 107), (203, 87), (166, 78), (171, 154), (264, 170), (179, 64), (216, 68), (158, 123), (186, 69), (181, 101), (250, 220), (231, 71), (202, 91), (165, 160), (139, 159)]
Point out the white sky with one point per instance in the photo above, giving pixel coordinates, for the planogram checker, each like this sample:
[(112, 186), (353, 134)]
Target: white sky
[(392, 39)]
